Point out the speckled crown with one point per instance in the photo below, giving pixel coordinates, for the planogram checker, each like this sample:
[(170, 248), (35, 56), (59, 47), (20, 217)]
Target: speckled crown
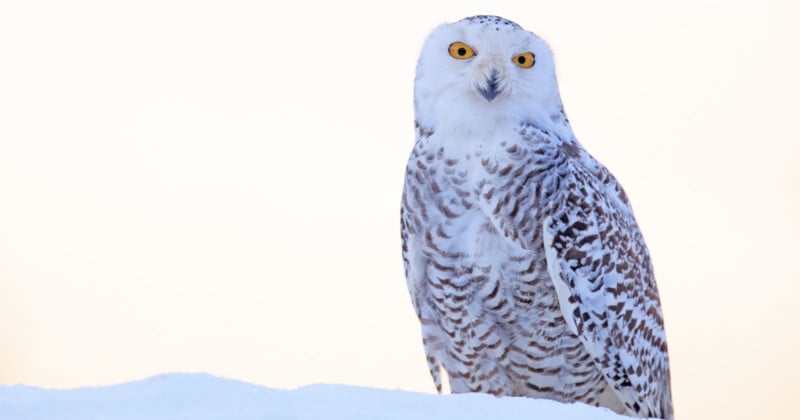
[(488, 20)]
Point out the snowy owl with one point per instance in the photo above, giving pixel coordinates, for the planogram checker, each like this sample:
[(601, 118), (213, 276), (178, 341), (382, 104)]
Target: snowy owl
[(523, 259)]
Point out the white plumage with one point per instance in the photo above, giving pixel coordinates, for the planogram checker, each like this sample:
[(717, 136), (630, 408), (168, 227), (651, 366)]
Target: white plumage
[(523, 259)]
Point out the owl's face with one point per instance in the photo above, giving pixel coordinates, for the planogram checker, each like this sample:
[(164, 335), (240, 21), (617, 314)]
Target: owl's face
[(484, 67)]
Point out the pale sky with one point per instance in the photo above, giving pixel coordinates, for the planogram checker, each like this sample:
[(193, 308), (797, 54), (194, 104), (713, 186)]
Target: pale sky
[(214, 186)]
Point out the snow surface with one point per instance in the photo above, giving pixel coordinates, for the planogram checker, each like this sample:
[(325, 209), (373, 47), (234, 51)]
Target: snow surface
[(205, 397)]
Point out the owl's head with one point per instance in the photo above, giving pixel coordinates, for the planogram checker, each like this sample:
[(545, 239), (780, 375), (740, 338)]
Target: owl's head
[(483, 69)]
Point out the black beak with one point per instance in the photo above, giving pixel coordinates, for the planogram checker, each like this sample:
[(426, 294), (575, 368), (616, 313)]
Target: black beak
[(491, 89)]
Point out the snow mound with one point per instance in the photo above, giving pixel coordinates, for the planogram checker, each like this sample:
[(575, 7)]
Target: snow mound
[(205, 397)]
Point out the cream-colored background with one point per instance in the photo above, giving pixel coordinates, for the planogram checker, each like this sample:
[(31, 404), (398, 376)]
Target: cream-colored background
[(214, 186)]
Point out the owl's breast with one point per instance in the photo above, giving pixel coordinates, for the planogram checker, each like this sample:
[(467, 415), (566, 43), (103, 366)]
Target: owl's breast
[(480, 190), (475, 213)]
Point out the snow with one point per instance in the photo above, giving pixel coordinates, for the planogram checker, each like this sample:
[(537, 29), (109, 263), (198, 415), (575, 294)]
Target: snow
[(205, 397)]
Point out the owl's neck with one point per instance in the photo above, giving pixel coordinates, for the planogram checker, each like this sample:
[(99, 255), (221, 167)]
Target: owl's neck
[(482, 123)]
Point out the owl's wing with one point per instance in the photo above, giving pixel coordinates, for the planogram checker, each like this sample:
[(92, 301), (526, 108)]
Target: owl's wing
[(604, 280)]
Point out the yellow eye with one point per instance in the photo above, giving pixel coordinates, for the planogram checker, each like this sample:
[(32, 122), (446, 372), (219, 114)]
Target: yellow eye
[(460, 50), (525, 60)]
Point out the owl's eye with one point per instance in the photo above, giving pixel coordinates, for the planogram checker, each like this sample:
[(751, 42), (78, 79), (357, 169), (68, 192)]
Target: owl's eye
[(525, 60), (460, 50)]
